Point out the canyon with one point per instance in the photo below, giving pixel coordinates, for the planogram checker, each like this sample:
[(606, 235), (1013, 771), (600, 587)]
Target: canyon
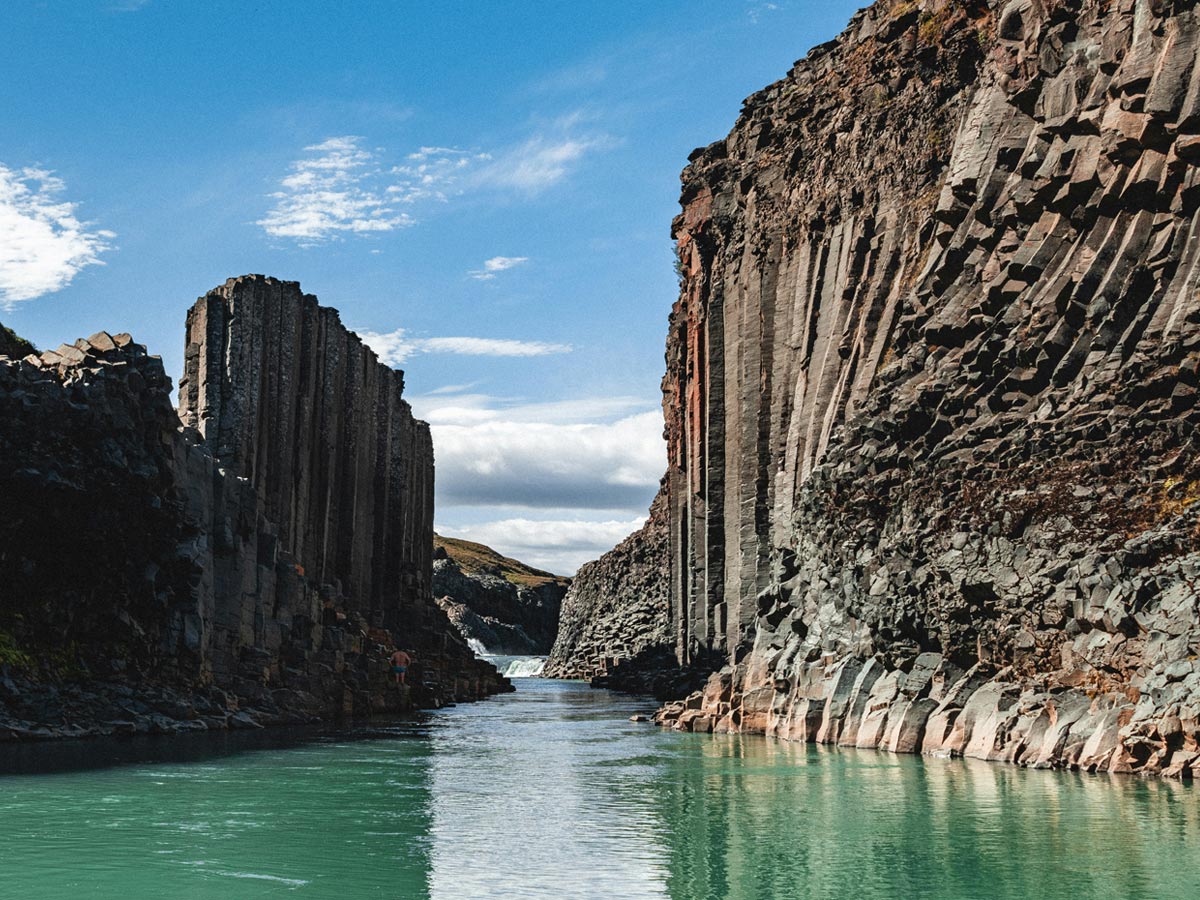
[(931, 391), (252, 558)]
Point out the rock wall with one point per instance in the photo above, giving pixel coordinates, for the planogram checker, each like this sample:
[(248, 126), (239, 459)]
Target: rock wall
[(89, 575), (506, 618), (616, 608), (931, 390), (509, 607), (193, 554)]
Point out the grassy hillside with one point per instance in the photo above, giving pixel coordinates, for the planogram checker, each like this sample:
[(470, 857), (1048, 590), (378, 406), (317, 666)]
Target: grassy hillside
[(472, 558)]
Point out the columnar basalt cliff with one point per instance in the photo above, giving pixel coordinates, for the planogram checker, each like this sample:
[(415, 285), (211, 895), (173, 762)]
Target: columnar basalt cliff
[(931, 390), (616, 608), (254, 562)]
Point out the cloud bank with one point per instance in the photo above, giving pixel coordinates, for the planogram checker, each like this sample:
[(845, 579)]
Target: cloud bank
[(556, 545), (43, 244), (508, 459)]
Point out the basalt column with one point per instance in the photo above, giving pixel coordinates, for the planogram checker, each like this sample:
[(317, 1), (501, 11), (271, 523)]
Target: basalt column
[(324, 466), (931, 396)]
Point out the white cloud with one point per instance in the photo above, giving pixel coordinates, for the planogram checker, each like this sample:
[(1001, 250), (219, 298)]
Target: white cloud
[(484, 459), (463, 408), (433, 173), (538, 163), (333, 192), (539, 468), (341, 188), (452, 389), (497, 264), (43, 245), (756, 12), (395, 347), (557, 545), (472, 346)]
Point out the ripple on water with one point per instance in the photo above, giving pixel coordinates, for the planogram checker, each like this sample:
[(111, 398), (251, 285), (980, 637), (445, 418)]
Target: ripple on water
[(551, 792)]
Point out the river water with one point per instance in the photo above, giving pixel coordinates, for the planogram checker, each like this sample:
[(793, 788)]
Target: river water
[(552, 792)]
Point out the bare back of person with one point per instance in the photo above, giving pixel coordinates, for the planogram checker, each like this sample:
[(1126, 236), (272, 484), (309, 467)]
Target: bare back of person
[(400, 662)]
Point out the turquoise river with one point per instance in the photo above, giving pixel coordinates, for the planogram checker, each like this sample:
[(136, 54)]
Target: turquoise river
[(553, 792)]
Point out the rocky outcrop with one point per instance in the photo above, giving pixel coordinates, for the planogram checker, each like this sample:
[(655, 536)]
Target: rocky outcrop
[(509, 608), (931, 390), (616, 609), (189, 557), (12, 344)]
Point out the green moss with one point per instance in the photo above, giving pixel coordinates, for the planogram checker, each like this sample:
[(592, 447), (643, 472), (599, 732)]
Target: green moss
[(11, 654)]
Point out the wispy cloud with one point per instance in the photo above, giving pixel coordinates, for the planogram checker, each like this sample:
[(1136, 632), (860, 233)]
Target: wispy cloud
[(557, 545), (43, 244), (335, 190), (539, 163), (340, 188), (757, 10), (395, 347), (497, 264), (434, 173), (452, 389)]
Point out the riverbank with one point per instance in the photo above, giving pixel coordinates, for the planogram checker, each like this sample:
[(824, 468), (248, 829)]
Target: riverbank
[(47, 710)]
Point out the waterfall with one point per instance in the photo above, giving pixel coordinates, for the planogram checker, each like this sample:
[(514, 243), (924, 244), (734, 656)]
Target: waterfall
[(525, 667), (477, 647), (511, 666)]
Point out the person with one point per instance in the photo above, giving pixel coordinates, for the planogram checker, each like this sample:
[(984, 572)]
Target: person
[(400, 664)]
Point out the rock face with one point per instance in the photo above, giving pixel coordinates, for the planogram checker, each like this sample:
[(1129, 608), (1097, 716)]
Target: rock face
[(191, 555), (508, 607), (931, 390), (616, 609)]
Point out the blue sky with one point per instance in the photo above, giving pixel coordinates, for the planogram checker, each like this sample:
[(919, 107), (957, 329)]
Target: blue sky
[(484, 190)]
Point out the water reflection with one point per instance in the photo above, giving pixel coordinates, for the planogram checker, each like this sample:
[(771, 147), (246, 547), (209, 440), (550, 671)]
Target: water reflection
[(530, 799), (752, 818), (552, 792)]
